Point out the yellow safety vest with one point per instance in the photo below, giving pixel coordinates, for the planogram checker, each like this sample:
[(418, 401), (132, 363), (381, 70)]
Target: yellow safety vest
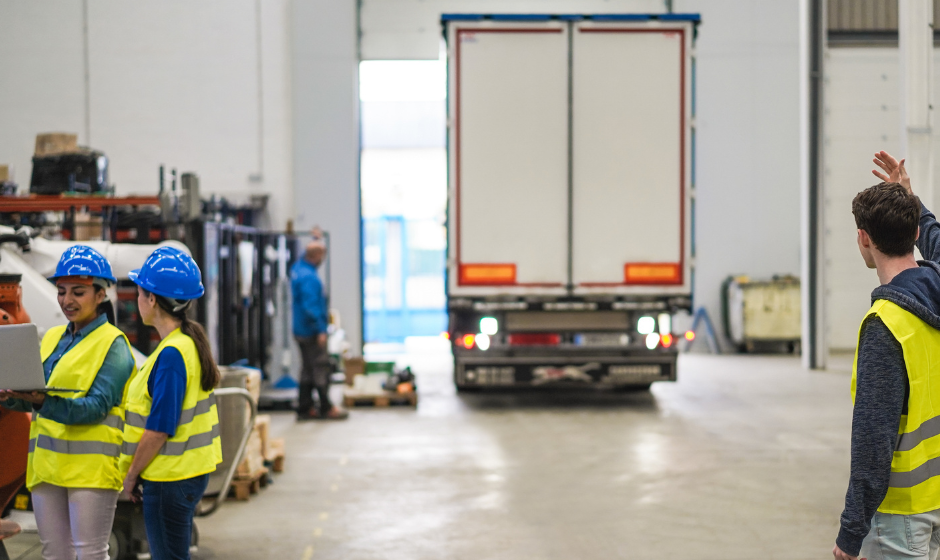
[(77, 455), (914, 486), (195, 449)]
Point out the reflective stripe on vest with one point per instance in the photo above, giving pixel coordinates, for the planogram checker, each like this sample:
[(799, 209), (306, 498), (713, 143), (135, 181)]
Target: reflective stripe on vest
[(84, 455), (73, 447), (195, 448), (187, 416), (914, 484), (178, 447)]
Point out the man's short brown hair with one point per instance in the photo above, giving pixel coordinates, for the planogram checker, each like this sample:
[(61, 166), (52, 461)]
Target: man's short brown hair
[(889, 214)]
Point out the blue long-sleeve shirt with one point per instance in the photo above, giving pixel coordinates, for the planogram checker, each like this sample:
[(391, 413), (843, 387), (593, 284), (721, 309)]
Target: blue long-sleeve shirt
[(167, 388), (928, 243), (106, 390), (309, 309)]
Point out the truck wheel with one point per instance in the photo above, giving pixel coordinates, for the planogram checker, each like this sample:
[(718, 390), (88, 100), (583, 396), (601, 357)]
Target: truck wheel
[(117, 545)]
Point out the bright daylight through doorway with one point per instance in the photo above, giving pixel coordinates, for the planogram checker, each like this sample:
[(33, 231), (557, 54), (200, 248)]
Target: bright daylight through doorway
[(404, 198)]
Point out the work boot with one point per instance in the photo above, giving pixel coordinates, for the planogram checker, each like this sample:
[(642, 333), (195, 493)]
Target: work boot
[(312, 414), (336, 413)]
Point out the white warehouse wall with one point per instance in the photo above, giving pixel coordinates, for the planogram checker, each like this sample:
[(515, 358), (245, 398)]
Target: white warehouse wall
[(862, 116), (325, 70), (173, 82), (748, 145)]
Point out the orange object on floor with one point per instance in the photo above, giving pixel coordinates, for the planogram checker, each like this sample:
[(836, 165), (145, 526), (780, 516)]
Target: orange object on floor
[(406, 387)]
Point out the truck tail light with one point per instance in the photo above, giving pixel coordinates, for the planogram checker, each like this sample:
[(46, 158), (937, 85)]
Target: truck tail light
[(652, 273), (483, 274), (467, 341), (690, 335), (666, 340), (534, 339)]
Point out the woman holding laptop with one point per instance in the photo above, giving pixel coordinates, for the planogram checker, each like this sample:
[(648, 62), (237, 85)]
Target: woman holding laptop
[(171, 434), (75, 438)]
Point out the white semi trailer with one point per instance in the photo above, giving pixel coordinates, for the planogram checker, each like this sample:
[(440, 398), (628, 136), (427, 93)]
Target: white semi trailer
[(571, 192)]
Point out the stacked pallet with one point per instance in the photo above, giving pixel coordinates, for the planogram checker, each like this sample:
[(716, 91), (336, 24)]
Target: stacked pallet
[(263, 455)]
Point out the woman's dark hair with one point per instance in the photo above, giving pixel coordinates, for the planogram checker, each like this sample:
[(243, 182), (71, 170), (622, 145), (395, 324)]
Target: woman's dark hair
[(210, 371), (105, 307)]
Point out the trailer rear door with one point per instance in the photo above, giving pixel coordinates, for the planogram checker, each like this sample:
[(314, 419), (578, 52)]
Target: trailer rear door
[(630, 145), (508, 157)]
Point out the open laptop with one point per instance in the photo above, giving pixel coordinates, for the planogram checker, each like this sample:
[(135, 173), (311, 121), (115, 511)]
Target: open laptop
[(20, 361)]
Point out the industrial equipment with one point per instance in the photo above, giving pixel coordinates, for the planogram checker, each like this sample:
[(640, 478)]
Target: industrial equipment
[(571, 185), (85, 171), (762, 315)]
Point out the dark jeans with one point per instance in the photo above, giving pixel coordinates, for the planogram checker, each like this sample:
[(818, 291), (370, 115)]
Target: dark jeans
[(168, 515), (314, 374)]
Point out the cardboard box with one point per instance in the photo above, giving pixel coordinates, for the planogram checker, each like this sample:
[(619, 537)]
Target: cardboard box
[(253, 460), (56, 143), (277, 455), (253, 384), (88, 227), (263, 426), (353, 367), (275, 449)]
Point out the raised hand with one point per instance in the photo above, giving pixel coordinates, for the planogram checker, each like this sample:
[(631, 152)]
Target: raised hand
[(894, 170)]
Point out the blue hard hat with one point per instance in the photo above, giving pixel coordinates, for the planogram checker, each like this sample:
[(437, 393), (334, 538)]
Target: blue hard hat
[(171, 273), (82, 260)]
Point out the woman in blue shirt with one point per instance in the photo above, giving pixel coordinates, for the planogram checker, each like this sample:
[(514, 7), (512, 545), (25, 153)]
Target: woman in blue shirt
[(75, 438)]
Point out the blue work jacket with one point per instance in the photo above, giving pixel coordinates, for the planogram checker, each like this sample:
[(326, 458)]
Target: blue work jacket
[(310, 313)]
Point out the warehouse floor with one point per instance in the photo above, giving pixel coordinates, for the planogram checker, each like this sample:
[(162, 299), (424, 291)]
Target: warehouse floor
[(744, 457)]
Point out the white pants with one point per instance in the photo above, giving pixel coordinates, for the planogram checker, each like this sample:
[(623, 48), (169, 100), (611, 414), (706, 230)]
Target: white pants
[(74, 522)]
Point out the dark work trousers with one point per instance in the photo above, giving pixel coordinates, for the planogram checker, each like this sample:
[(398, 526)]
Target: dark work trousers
[(314, 374), (168, 515)]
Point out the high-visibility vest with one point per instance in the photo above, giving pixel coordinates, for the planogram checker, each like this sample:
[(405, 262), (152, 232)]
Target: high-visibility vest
[(914, 486), (195, 449), (77, 455)]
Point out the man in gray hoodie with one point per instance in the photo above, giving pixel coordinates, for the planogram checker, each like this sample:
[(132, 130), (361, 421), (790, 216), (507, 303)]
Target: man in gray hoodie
[(892, 506)]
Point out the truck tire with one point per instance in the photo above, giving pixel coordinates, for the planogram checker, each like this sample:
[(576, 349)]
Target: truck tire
[(118, 548)]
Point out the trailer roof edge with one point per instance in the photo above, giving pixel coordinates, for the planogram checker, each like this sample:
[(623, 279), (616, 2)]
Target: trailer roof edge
[(691, 17)]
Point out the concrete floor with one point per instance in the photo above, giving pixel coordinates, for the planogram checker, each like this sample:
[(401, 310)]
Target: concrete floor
[(744, 457)]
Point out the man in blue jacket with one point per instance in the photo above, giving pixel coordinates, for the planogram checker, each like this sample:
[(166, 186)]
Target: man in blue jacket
[(310, 331)]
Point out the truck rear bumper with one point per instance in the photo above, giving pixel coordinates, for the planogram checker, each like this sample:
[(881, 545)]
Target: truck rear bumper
[(506, 371)]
